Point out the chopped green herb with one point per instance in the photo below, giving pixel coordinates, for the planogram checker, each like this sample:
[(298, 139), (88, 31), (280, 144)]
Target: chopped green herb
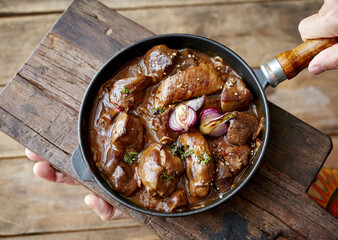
[(188, 152), (168, 177), (204, 158), (130, 158), (177, 149), (157, 111), (114, 94), (125, 90)]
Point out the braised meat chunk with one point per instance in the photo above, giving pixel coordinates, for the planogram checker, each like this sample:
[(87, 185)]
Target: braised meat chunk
[(219, 146), (160, 170), (241, 128), (158, 59), (223, 177), (193, 82), (177, 200), (185, 60), (121, 176), (127, 133), (128, 92), (236, 157), (160, 125), (235, 95), (213, 101), (200, 167)]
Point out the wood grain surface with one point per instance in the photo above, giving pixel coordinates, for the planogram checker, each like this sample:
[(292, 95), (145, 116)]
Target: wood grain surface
[(322, 88)]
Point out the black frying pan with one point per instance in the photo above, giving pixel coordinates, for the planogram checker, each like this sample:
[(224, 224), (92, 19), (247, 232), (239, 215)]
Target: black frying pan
[(286, 65)]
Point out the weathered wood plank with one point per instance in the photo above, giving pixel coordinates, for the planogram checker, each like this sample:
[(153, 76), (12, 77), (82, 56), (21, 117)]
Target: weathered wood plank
[(295, 210), (273, 36), (57, 149), (9, 7), (108, 28), (18, 38), (129, 233), (36, 206)]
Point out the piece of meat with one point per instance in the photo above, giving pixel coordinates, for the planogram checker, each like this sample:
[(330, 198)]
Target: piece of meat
[(193, 82), (223, 177), (237, 157), (235, 95), (213, 101), (177, 200), (121, 176), (200, 167), (127, 133), (160, 125), (104, 121), (259, 128), (158, 59), (128, 92), (241, 128), (160, 170), (185, 60), (219, 146)]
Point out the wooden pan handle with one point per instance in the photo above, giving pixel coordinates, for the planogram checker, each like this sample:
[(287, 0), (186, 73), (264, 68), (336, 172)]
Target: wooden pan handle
[(297, 59)]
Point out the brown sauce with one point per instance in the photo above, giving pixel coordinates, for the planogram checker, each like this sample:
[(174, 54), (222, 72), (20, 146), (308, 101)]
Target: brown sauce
[(114, 135)]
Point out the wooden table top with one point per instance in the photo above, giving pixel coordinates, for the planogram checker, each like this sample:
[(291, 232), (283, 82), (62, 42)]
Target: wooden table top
[(11, 158)]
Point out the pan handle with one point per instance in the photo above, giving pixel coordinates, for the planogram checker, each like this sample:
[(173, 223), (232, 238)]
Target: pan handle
[(288, 64), (81, 167)]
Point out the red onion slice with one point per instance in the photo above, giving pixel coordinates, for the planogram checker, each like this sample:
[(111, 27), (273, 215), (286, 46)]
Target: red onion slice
[(182, 118), (213, 122)]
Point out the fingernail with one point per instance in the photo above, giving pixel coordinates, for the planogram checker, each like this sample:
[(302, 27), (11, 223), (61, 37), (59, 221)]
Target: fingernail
[(317, 69)]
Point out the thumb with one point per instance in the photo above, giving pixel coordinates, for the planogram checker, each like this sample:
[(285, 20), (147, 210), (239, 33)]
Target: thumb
[(325, 60)]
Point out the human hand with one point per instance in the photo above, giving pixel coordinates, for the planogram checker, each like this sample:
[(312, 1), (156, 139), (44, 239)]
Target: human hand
[(43, 170), (323, 24)]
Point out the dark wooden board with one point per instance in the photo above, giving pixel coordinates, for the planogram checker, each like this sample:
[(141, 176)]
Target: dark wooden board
[(39, 109)]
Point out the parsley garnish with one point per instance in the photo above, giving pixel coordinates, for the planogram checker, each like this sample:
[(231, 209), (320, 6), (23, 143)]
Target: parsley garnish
[(125, 90), (157, 111), (168, 177), (130, 158), (204, 158), (188, 152), (177, 149)]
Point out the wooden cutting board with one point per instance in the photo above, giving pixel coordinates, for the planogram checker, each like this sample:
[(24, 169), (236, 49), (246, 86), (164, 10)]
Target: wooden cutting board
[(39, 109)]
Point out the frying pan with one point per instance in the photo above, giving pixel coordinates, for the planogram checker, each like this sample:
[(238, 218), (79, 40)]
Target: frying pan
[(285, 66)]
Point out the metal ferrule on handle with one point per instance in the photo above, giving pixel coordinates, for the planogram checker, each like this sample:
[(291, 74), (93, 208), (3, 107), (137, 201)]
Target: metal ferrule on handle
[(273, 72)]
